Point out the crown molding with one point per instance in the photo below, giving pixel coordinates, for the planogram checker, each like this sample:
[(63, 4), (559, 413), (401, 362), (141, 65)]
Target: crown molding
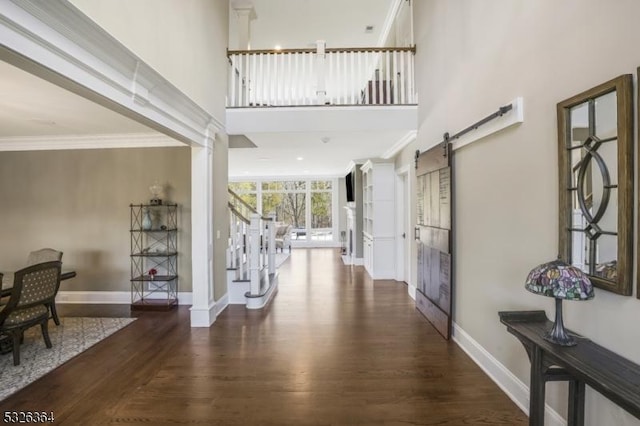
[(57, 42), (123, 140), (400, 144)]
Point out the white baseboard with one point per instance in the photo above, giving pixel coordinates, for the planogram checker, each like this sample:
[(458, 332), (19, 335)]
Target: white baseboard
[(412, 291), (221, 304), (505, 379), (110, 297), (203, 317)]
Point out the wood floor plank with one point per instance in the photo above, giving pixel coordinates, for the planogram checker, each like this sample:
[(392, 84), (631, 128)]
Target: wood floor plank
[(334, 348)]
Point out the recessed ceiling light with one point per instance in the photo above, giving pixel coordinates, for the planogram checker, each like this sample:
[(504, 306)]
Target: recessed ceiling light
[(277, 47), (299, 158), (306, 171), (246, 172), (368, 29), (264, 159), (325, 139)]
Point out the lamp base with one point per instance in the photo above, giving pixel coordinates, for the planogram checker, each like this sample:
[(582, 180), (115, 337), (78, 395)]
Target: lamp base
[(558, 335)]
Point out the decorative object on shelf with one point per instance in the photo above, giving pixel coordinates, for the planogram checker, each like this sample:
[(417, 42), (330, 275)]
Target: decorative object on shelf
[(156, 193), (559, 280), (146, 220), (152, 273)]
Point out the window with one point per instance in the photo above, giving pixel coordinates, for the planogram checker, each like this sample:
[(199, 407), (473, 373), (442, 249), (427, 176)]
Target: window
[(321, 211), (307, 205), (246, 191)]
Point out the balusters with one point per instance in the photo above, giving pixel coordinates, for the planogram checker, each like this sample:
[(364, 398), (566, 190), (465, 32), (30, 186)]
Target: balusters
[(347, 76)]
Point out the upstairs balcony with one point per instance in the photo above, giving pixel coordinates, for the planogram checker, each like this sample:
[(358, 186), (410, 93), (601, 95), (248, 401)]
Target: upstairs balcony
[(371, 88)]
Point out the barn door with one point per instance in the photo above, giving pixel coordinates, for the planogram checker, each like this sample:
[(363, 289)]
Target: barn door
[(433, 234)]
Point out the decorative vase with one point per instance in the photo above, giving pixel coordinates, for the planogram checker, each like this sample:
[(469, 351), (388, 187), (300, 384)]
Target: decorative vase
[(146, 220)]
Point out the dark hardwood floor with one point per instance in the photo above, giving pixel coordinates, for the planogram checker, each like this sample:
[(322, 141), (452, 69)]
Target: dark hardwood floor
[(333, 349)]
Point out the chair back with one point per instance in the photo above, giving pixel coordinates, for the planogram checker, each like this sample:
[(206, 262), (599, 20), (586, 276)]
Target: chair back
[(32, 286), (43, 255)]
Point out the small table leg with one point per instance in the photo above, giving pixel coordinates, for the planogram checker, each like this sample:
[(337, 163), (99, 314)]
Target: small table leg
[(537, 391), (576, 403)]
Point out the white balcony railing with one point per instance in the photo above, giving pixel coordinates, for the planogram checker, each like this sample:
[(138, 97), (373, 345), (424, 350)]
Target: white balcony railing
[(293, 77)]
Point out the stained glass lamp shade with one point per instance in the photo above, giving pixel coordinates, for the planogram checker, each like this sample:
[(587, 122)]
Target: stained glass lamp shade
[(559, 280)]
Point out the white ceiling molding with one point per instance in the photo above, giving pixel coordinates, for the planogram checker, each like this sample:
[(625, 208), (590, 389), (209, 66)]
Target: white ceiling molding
[(50, 143), (64, 46), (400, 144), (388, 22)]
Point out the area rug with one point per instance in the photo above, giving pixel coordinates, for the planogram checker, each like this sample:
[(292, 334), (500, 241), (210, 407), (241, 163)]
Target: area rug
[(71, 337)]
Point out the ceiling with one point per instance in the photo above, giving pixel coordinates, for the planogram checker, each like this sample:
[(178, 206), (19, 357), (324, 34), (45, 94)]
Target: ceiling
[(297, 24), (33, 107), (313, 154)]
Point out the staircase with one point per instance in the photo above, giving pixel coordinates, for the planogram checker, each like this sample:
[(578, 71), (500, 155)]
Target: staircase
[(251, 270)]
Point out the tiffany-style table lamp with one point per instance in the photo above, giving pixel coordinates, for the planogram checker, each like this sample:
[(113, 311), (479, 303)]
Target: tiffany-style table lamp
[(559, 280)]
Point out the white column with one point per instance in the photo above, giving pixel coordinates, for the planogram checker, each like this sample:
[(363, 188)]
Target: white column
[(203, 308), (245, 13)]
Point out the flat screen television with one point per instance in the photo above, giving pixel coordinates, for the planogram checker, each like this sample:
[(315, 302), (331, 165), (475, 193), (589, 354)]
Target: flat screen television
[(350, 190)]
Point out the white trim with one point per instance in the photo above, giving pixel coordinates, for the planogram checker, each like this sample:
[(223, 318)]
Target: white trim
[(110, 297), (64, 46), (130, 140), (411, 289), (236, 290), (402, 224), (221, 304), (510, 118), (400, 144), (505, 379), (388, 22), (263, 300), (203, 317)]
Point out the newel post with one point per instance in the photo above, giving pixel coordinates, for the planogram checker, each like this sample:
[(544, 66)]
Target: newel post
[(272, 243), (254, 253)]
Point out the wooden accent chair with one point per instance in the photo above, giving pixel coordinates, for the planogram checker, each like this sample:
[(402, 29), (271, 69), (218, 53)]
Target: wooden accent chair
[(34, 288), (46, 255)]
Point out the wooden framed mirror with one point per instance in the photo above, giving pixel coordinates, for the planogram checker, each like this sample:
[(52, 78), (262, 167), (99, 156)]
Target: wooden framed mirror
[(595, 156)]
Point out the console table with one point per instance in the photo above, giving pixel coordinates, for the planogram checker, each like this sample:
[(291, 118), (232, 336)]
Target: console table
[(586, 363)]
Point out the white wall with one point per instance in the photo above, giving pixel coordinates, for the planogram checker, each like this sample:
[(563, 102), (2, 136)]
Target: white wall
[(473, 56), (185, 41)]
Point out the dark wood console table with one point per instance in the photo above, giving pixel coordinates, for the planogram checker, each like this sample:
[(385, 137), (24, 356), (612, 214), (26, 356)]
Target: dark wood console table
[(586, 363)]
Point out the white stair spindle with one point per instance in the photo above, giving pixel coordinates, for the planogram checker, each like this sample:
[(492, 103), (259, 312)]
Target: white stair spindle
[(234, 79), (403, 77), (387, 78), (395, 76)]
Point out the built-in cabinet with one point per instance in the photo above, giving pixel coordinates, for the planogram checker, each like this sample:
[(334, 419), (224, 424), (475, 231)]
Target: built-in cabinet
[(378, 212)]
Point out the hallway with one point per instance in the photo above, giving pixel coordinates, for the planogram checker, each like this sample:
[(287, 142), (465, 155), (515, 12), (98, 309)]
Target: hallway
[(333, 348)]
